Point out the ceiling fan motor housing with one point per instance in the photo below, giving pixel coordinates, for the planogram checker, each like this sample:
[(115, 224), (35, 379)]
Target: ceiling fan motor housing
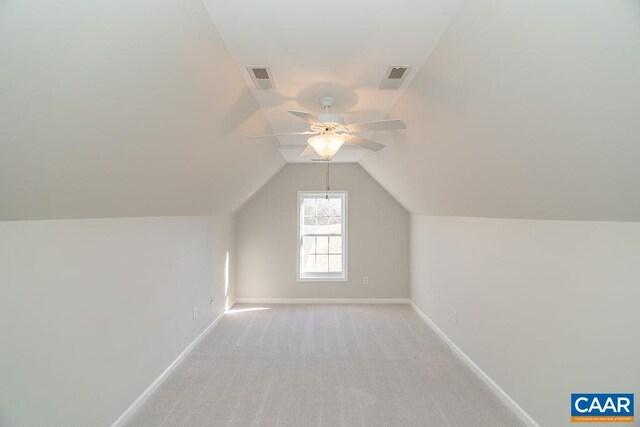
[(334, 122), (330, 118)]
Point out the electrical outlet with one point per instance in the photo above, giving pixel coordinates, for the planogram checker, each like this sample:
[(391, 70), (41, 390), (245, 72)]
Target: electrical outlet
[(195, 312), (211, 300), (455, 317), (365, 280)]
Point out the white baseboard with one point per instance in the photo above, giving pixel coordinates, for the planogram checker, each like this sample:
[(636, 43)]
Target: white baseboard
[(502, 395), (128, 413), (321, 301)]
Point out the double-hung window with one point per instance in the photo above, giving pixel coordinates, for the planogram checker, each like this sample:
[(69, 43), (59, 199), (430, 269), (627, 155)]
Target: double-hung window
[(322, 236)]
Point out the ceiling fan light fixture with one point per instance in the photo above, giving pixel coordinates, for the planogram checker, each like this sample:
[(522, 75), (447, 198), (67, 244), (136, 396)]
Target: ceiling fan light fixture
[(326, 145)]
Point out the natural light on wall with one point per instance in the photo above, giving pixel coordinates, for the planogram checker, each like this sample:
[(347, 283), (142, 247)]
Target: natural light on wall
[(245, 310), (322, 219), (226, 282)]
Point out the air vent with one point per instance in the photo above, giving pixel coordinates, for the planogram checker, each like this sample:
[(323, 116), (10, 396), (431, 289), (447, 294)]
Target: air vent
[(397, 72), (395, 77), (262, 77)]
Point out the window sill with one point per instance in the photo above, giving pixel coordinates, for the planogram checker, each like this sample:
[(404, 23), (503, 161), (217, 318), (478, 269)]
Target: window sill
[(322, 279)]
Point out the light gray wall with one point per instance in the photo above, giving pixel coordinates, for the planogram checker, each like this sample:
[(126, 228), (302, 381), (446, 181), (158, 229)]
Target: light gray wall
[(546, 308), (378, 237), (93, 311)]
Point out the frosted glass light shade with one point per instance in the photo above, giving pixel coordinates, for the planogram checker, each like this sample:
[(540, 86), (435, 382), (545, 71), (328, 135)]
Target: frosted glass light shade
[(326, 145)]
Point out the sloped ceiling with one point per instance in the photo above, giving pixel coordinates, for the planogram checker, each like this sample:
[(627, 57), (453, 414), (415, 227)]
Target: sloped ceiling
[(527, 109), (523, 109), (123, 108)]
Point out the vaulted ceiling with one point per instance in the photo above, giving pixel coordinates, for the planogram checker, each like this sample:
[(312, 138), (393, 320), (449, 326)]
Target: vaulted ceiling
[(123, 108), (524, 109), (527, 109)]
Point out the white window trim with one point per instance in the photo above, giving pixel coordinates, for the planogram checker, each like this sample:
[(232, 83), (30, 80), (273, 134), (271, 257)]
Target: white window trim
[(323, 277)]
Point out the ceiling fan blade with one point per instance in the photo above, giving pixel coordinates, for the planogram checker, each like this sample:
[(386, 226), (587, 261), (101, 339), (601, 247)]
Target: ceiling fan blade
[(308, 151), (283, 134), (364, 143), (377, 125), (307, 117)]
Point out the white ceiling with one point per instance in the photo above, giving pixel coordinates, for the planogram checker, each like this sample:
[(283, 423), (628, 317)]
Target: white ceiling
[(330, 48), (527, 109), (524, 109), (123, 109)]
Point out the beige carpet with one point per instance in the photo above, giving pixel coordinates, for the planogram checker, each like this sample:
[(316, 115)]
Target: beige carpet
[(323, 365)]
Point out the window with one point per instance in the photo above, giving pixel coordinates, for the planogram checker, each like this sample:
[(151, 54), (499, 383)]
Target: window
[(322, 244)]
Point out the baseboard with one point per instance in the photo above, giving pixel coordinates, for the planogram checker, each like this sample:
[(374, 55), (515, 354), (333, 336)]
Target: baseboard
[(128, 413), (502, 395), (321, 301)]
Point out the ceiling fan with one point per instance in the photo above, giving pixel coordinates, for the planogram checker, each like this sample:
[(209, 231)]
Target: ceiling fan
[(330, 132)]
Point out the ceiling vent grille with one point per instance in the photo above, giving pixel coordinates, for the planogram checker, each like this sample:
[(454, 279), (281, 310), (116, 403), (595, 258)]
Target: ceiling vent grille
[(262, 77), (395, 76)]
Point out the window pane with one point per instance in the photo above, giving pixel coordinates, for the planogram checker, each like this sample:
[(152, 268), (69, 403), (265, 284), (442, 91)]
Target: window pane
[(309, 225), (309, 207), (335, 207), (308, 245), (322, 245), (309, 263), (322, 263), (335, 262), (323, 207), (335, 245), (335, 225), (323, 225)]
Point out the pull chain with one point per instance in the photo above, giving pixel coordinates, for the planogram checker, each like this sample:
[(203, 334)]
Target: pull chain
[(328, 188)]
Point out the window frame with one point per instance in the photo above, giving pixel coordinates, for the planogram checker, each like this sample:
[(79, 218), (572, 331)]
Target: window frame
[(329, 276)]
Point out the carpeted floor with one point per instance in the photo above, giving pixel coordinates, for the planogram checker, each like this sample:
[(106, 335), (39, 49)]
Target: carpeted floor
[(323, 365)]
